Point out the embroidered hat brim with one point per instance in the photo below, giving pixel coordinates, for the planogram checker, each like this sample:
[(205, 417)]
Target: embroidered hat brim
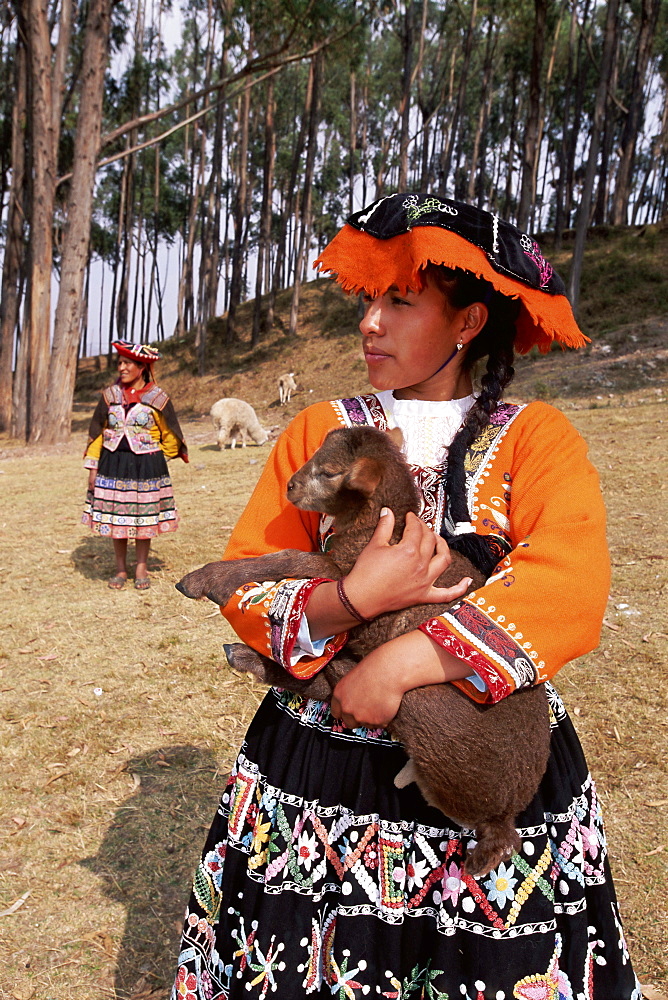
[(391, 242), (143, 354)]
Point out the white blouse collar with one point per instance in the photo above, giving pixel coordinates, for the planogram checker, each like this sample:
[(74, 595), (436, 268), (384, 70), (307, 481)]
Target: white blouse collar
[(428, 426)]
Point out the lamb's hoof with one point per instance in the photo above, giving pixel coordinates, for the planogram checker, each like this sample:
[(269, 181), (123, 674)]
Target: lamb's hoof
[(228, 649), (187, 587)]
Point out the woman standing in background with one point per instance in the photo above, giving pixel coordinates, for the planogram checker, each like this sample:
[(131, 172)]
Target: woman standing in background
[(133, 430)]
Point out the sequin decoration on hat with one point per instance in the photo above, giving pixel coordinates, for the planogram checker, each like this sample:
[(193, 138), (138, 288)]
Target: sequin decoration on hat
[(390, 242), (143, 354)]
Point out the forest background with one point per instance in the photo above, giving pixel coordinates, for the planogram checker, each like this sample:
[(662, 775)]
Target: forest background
[(200, 153)]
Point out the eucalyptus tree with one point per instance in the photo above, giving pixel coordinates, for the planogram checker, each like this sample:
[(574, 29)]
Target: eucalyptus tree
[(14, 52), (635, 100)]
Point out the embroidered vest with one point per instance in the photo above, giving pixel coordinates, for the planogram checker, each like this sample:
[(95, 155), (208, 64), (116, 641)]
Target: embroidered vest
[(136, 424)]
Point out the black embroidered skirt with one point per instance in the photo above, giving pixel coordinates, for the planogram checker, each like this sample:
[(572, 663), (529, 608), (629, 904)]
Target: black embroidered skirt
[(132, 496), (320, 878)]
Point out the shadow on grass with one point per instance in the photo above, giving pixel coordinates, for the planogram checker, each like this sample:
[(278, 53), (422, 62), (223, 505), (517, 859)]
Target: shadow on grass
[(147, 859), (93, 558)]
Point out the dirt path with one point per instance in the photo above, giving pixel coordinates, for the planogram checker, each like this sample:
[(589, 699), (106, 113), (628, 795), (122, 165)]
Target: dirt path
[(119, 719)]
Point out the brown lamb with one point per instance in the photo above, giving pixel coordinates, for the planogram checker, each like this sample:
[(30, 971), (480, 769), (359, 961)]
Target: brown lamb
[(479, 764)]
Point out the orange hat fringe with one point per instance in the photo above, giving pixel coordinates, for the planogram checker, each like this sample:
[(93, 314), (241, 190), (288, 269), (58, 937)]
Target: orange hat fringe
[(360, 262)]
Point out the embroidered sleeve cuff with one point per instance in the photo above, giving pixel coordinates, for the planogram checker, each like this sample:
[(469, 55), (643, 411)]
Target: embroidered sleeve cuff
[(90, 463), (285, 615), (492, 649)]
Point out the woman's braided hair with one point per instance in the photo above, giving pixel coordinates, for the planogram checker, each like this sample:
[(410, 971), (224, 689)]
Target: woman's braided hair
[(495, 341)]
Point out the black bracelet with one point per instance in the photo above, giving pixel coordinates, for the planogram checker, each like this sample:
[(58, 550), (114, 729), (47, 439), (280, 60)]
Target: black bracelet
[(343, 597)]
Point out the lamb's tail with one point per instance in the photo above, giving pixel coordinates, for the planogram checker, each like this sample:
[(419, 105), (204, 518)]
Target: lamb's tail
[(496, 839)]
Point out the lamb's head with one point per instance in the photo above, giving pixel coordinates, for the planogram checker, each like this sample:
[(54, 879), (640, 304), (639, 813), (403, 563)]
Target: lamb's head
[(354, 468)]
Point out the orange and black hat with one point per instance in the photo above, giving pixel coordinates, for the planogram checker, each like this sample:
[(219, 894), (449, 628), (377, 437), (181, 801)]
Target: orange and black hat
[(142, 354), (390, 243)]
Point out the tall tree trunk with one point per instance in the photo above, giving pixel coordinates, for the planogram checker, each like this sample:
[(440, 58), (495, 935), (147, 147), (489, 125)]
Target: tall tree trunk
[(126, 223), (239, 217), (286, 215), (594, 146), (531, 143), (352, 142), (574, 133), (624, 181), (11, 270), (207, 204), (599, 213), (46, 95), (559, 225), (263, 259), (512, 134), (475, 175), (461, 95), (306, 195), (407, 41), (76, 240)]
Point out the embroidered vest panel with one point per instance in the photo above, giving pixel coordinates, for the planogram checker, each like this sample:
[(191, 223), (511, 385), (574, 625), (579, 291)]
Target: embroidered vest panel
[(135, 425)]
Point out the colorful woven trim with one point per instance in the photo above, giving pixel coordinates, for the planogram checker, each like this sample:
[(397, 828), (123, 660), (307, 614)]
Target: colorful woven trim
[(141, 353), (391, 242)]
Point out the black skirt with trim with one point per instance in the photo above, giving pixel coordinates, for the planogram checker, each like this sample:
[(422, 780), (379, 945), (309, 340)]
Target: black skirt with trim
[(320, 878), (132, 497)]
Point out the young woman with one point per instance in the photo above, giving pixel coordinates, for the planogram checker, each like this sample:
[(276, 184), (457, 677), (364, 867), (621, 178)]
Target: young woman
[(319, 877), (133, 430)]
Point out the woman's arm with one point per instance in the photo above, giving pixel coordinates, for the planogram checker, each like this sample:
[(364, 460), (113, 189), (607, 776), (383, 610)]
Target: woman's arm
[(387, 577), (266, 614), (545, 603), (371, 693), (169, 442)]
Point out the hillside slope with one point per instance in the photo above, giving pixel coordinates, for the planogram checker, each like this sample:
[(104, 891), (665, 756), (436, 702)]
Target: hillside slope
[(623, 309)]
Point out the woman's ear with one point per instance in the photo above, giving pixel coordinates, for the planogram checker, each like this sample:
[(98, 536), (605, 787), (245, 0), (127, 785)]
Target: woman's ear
[(474, 319)]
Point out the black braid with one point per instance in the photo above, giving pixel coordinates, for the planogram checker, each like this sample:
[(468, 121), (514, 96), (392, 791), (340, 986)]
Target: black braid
[(495, 341)]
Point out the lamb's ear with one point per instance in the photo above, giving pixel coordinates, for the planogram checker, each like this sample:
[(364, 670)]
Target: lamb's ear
[(395, 435), (364, 475)]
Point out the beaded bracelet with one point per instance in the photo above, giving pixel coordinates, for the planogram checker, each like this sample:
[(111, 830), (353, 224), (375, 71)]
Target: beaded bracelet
[(343, 597)]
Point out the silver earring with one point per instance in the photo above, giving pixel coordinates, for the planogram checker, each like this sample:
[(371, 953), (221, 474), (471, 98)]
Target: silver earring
[(459, 346)]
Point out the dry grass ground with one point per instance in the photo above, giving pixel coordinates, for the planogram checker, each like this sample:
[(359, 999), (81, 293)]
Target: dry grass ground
[(119, 718)]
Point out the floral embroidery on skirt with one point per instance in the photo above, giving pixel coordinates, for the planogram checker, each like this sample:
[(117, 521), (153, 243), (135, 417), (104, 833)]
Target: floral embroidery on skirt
[(320, 878)]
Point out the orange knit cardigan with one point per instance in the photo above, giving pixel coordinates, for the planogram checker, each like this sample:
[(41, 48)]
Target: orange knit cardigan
[(528, 480)]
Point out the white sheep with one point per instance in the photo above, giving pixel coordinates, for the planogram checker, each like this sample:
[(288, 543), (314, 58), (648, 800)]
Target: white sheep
[(235, 420), (286, 386)]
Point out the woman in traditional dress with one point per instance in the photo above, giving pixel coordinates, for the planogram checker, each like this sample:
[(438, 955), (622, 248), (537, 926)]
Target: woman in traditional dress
[(319, 877), (133, 430)]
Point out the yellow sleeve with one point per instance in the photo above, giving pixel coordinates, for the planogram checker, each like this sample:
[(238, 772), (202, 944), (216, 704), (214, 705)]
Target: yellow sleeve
[(93, 452), (160, 432)]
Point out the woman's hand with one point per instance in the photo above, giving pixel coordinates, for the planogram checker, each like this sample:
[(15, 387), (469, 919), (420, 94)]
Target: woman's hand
[(371, 693), (389, 577)]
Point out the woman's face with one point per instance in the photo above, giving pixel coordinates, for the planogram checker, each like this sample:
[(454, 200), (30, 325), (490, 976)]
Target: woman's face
[(130, 373), (406, 339)]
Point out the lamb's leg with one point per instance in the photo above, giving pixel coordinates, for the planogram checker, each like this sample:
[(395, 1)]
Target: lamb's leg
[(247, 660), (219, 580), (243, 658)]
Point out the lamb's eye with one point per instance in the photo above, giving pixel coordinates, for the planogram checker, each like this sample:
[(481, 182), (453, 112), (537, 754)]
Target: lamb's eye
[(328, 474)]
